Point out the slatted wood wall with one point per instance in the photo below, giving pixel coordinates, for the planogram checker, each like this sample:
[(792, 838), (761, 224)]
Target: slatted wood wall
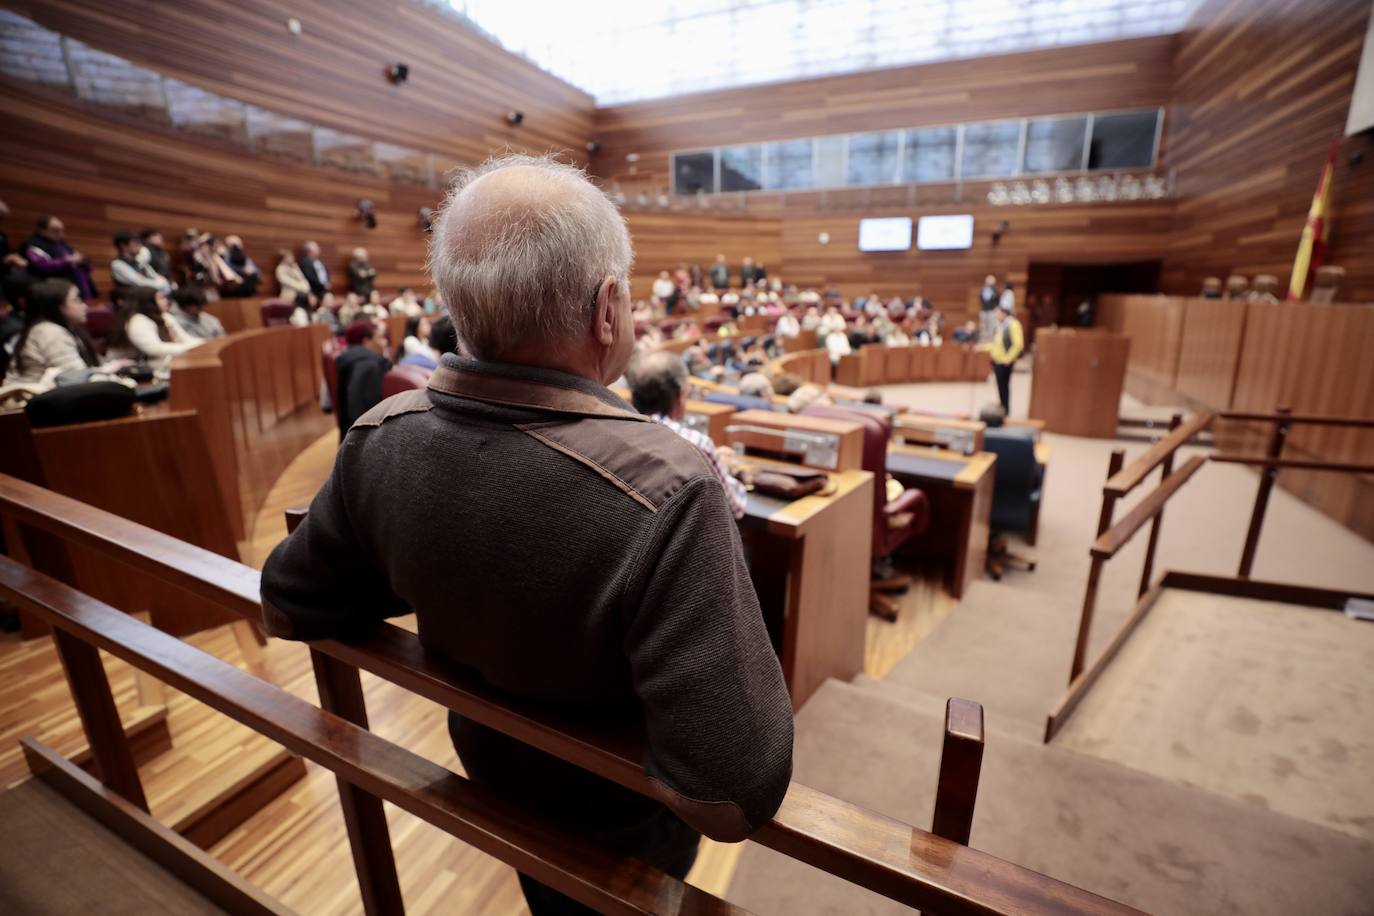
[(1100, 77), (662, 240), (1261, 87), (460, 87)]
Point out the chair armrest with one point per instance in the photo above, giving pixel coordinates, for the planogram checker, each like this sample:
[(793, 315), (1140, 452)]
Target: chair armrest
[(907, 502)]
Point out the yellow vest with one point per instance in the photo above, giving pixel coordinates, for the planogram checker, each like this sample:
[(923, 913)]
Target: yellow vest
[(1002, 354)]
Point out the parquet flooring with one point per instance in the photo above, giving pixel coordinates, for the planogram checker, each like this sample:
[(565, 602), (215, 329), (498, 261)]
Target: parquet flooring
[(295, 848)]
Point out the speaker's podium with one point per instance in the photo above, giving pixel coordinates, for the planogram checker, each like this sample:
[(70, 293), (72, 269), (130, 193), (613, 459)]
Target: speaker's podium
[(1076, 385)]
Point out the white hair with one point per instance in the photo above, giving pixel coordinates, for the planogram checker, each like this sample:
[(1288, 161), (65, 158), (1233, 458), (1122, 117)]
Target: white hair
[(526, 272)]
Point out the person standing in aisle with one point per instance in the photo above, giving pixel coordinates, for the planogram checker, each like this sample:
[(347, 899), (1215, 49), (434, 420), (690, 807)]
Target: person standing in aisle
[(1008, 341)]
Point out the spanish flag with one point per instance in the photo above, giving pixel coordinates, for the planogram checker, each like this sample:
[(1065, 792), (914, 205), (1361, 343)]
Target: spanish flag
[(1312, 248)]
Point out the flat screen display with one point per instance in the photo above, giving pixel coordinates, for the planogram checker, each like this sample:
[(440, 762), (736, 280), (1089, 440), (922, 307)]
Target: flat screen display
[(941, 233), (890, 234)]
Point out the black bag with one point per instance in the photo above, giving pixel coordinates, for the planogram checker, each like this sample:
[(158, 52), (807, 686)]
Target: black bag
[(82, 403)]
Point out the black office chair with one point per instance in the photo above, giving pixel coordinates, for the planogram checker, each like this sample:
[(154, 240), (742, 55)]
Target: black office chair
[(1015, 495)]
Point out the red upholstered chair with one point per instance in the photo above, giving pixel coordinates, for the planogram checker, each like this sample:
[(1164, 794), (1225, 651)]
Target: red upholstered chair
[(404, 378), (99, 320), (276, 312), (894, 522)]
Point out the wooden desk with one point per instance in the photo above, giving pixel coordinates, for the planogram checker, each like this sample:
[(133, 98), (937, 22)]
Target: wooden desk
[(710, 418), (960, 491), (849, 435), (809, 560), (962, 436)]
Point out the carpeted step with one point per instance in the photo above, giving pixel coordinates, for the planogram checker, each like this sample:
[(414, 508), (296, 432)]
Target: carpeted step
[(1162, 847), (56, 860), (925, 703)]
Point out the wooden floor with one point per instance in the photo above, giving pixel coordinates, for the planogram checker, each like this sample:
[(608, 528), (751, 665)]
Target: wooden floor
[(295, 848)]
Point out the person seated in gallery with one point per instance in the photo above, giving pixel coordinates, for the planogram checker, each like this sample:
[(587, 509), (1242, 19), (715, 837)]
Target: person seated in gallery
[(784, 383), (128, 269), (659, 388), (415, 339), (442, 339), (720, 273), (312, 266), (188, 310), (406, 303), (966, 332), (756, 385), (805, 396), (837, 345), (787, 326), (204, 264), (291, 281), (577, 527), (53, 338), (154, 253), (830, 322), (50, 257), (245, 278), (362, 276), (145, 332), (1237, 287), (360, 368), (811, 319)]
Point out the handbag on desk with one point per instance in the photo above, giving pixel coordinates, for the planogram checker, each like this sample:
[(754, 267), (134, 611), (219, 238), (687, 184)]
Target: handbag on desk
[(789, 483)]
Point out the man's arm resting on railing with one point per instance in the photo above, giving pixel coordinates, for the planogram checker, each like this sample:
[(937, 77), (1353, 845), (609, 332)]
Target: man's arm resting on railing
[(322, 581), (718, 719)]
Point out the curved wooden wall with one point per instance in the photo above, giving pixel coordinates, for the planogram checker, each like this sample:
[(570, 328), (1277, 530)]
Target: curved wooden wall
[(257, 395), (1228, 355)]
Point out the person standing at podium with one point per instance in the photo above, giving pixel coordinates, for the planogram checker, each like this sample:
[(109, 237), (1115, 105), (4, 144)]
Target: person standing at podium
[(1008, 341)]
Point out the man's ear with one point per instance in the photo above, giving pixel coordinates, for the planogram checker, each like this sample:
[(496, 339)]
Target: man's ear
[(604, 315)]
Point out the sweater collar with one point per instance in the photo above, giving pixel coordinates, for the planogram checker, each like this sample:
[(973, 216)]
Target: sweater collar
[(528, 387)]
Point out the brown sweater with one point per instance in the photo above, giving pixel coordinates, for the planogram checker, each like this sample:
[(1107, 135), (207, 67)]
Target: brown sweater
[(569, 551)]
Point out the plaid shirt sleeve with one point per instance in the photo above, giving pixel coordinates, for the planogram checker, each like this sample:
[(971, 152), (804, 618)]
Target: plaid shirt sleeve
[(735, 492)]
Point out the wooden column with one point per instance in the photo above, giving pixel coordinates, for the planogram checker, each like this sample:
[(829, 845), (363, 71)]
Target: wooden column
[(1267, 478), (961, 764), (100, 717)]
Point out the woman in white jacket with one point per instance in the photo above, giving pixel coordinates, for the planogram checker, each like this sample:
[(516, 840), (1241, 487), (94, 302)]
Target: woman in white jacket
[(54, 335), (144, 329)]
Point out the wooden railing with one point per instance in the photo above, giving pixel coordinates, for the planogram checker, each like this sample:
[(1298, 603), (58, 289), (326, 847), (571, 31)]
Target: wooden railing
[(922, 869), (1111, 538)]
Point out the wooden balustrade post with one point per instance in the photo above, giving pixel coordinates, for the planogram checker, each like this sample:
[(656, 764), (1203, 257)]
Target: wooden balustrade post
[(1085, 619), (95, 704), (1266, 484), (341, 692), (1166, 468), (961, 764)]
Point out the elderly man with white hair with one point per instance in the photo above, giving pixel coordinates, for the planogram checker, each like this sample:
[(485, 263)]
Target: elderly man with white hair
[(550, 538)]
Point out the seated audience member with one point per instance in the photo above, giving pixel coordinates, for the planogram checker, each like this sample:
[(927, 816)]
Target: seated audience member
[(699, 365), (837, 345), (620, 516), (811, 321), (50, 257), (659, 388), (127, 269), (406, 304), (360, 369), (351, 309), (787, 382), (290, 279), (143, 330), (188, 310), (873, 396), (664, 291), (804, 397), (416, 340), (708, 300), (361, 274), (14, 289), (748, 273), (829, 323), (316, 274), (756, 385), (53, 338), (967, 332), (246, 277), (154, 253), (787, 326), (204, 262), (442, 339)]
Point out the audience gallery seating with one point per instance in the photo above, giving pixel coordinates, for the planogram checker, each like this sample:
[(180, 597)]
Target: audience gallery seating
[(404, 378), (276, 312)]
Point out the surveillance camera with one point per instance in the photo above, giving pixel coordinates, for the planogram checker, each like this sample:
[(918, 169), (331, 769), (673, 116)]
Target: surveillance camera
[(513, 118)]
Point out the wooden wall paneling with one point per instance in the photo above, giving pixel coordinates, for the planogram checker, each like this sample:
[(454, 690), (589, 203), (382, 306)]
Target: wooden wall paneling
[(1210, 350), (1135, 73), (1077, 381), (1154, 325), (664, 239), (1261, 87), (460, 87), (923, 364), (279, 357), (949, 362), (202, 385), (897, 362)]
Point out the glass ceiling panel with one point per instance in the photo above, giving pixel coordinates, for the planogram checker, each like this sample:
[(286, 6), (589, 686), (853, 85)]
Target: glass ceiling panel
[(628, 50)]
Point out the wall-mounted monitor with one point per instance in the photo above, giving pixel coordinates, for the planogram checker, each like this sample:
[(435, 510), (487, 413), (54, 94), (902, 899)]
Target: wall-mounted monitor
[(890, 234), (942, 233)]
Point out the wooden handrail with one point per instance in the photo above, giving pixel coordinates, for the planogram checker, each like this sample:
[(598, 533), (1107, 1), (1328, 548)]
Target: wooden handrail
[(1304, 419), (886, 856), (548, 853), (1116, 537), (1130, 477), (1297, 464)]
